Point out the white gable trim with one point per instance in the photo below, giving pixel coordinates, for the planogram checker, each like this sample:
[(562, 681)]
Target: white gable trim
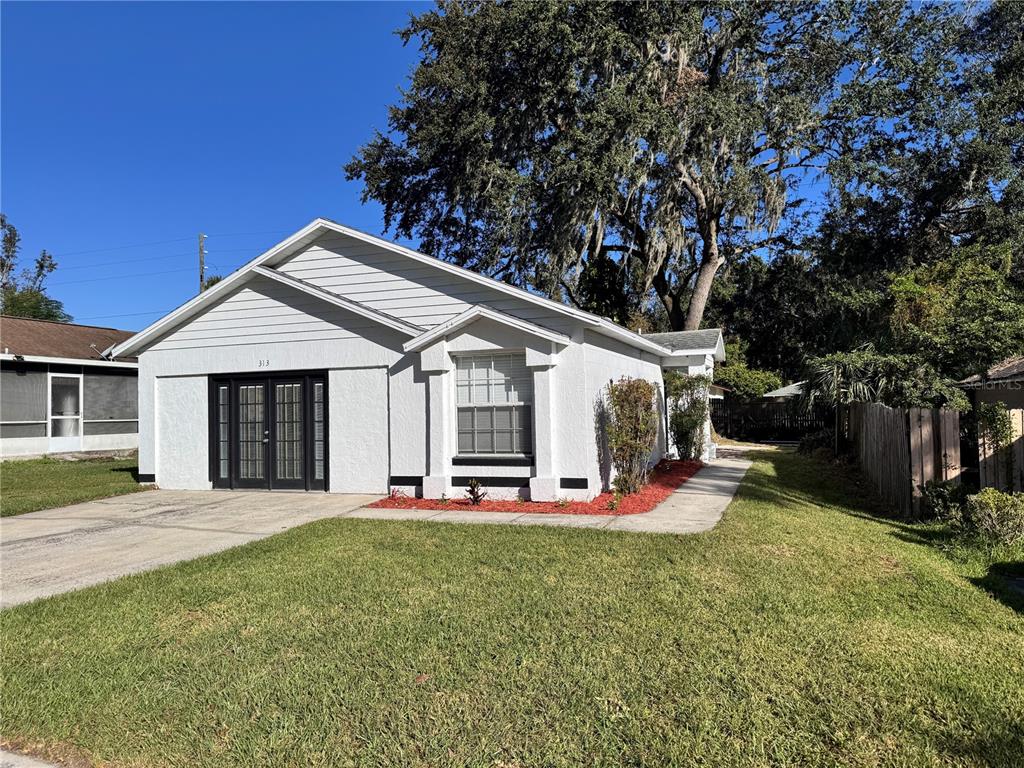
[(476, 313), (340, 301), (318, 227)]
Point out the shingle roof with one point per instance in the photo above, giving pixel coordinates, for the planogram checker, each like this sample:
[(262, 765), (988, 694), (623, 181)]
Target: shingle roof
[(706, 338), (44, 338), (1010, 369)]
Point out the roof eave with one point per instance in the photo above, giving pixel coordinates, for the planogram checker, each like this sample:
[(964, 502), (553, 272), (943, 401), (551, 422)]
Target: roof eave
[(11, 357)]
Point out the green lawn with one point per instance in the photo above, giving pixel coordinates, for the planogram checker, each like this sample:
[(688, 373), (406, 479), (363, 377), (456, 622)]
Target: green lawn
[(26, 486), (802, 631)]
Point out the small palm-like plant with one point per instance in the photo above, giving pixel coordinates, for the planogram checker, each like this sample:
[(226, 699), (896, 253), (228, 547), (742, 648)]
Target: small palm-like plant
[(841, 379), (475, 492)]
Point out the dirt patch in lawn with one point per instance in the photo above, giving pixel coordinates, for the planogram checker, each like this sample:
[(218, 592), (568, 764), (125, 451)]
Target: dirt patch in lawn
[(666, 477)]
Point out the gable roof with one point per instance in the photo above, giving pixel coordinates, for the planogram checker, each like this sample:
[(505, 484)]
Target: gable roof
[(318, 227), (26, 337), (708, 341), (472, 315), (1010, 369)]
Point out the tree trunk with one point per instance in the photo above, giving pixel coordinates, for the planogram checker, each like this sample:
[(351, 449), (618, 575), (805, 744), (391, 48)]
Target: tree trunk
[(710, 262), (669, 299)]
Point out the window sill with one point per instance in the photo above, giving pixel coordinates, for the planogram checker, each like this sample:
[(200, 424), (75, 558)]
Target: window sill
[(493, 460)]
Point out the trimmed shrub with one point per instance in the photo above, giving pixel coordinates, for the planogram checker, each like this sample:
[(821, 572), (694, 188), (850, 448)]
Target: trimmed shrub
[(632, 429), (995, 516), (689, 414)]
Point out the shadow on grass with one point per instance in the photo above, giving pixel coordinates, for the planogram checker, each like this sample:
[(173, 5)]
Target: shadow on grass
[(1005, 582), (133, 470), (804, 482)]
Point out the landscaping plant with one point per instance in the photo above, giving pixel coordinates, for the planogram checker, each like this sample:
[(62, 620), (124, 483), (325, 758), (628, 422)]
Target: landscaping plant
[(688, 398), (475, 492), (942, 499), (993, 516), (632, 430)]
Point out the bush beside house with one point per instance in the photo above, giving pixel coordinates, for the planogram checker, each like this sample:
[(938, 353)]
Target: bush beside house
[(632, 429)]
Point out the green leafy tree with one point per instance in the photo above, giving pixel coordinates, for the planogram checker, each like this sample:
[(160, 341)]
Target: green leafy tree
[(539, 137), (211, 280), (743, 382), (961, 314), (868, 376), (25, 295)]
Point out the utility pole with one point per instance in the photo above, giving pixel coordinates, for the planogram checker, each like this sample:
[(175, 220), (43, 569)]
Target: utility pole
[(202, 260)]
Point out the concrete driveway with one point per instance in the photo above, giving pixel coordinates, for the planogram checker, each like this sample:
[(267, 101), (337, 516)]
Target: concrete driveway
[(56, 550)]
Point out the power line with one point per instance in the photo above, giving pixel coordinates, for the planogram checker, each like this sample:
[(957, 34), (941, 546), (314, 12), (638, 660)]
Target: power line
[(149, 258), (243, 234), (126, 314), (123, 261), (121, 277), (164, 242), (119, 247)]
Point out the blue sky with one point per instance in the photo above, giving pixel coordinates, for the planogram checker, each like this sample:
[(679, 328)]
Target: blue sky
[(144, 124)]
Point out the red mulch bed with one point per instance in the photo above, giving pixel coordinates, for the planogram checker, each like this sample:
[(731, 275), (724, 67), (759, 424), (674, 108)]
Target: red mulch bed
[(664, 479)]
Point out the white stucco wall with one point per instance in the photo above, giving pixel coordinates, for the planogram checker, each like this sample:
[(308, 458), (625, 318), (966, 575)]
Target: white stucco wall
[(607, 360), (24, 446), (358, 430), (122, 442), (182, 432)]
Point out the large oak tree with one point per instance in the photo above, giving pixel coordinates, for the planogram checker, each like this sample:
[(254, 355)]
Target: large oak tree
[(647, 144)]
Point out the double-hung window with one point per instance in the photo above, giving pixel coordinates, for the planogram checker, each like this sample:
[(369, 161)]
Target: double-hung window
[(494, 395)]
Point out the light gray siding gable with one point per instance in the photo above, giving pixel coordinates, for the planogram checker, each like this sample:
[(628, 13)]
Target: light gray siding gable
[(265, 312), (397, 285)]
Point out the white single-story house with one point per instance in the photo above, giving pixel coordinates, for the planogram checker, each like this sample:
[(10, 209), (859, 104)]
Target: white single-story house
[(339, 361), (59, 394)]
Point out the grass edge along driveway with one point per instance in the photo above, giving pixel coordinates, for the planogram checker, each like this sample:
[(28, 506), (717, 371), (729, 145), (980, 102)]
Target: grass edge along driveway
[(28, 485), (802, 630)]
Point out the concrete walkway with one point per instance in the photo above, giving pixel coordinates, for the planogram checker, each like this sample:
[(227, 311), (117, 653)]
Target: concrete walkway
[(16, 760), (696, 506), (56, 550)]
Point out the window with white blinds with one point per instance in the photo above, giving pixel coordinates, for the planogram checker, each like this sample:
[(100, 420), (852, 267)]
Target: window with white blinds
[(494, 395)]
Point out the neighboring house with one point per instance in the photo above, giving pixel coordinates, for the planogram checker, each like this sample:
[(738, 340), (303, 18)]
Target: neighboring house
[(782, 394), (342, 362), (1003, 382), (59, 394)]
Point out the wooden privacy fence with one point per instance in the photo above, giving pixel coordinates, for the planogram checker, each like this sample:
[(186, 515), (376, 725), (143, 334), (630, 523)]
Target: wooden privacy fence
[(1003, 469), (901, 449)]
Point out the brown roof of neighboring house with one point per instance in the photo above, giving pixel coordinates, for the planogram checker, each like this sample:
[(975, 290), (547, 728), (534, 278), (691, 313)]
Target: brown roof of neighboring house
[(44, 338), (1010, 369)]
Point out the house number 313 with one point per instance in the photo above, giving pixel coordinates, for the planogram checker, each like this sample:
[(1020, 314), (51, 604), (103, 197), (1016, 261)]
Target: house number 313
[(262, 363)]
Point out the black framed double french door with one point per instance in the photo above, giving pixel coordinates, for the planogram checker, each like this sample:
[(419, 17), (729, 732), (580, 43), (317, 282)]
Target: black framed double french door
[(269, 431)]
